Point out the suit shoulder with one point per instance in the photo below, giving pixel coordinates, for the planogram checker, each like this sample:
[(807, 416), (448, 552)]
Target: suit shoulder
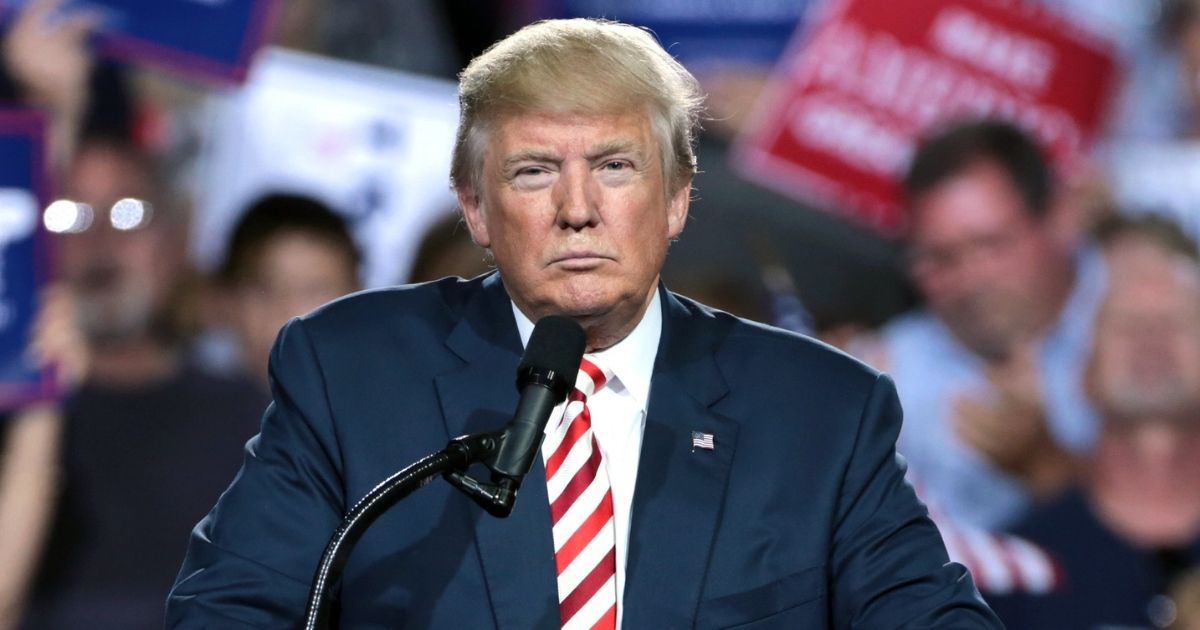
[(416, 307), (757, 347)]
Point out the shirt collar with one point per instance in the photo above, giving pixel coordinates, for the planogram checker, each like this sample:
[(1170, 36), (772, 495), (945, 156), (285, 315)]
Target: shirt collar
[(631, 359)]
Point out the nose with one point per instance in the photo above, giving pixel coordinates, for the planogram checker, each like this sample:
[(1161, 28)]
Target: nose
[(576, 197)]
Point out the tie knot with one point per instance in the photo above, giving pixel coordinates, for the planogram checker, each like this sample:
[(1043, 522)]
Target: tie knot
[(592, 375)]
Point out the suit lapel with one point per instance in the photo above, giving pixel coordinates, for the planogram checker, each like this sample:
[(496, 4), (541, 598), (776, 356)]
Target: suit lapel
[(516, 553), (680, 490)]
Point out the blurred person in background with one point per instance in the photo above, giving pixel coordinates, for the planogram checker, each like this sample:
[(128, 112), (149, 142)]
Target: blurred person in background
[(446, 249), (287, 255), (29, 450), (1131, 526), (990, 371), (1160, 100), (1179, 29), (28, 473), (149, 441), (45, 63)]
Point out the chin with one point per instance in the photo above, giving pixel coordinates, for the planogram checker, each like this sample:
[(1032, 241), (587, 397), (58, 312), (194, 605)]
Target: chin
[(584, 296), (584, 309)]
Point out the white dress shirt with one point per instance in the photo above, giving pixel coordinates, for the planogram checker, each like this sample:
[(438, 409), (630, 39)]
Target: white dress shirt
[(619, 417)]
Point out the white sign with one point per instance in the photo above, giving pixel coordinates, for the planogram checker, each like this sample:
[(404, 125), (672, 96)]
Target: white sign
[(371, 143), (1163, 178), (18, 217)]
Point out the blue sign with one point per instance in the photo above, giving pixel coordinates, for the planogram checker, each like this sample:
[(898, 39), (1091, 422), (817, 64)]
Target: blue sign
[(214, 39), (700, 32), (23, 254)]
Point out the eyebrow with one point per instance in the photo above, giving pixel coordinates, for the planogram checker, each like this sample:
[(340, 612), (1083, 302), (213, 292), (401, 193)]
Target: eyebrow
[(606, 149), (614, 146), (531, 155)]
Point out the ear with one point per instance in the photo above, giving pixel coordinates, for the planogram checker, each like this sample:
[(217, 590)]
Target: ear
[(677, 209), (473, 213)]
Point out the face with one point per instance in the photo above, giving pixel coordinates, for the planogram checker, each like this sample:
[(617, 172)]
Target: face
[(1146, 359), (576, 212), (121, 278), (982, 262), (293, 274)]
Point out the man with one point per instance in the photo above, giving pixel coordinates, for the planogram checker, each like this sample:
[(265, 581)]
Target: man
[(148, 440), (745, 474), (990, 372), (1132, 525), (287, 255)]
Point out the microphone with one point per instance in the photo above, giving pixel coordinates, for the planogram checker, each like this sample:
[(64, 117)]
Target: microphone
[(545, 375)]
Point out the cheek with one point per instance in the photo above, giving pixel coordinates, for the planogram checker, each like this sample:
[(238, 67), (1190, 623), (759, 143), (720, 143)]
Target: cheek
[(645, 223), (940, 287), (1189, 360), (514, 224), (1024, 262)]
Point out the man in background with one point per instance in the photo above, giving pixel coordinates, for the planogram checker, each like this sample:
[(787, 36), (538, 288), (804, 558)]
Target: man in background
[(990, 371), (1131, 526), (287, 255), (149, 441)]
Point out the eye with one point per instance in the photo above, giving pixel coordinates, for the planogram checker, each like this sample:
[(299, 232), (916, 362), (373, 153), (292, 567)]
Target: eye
[(532, 177), (615, 165)]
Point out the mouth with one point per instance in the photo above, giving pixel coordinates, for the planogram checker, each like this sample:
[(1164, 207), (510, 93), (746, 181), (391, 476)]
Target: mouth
[(579, 261)]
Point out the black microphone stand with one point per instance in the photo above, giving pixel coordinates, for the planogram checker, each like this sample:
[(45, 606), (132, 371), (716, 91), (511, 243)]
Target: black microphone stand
[(452, 462)]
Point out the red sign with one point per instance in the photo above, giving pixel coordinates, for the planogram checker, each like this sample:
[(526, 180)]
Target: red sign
[(839, 124)]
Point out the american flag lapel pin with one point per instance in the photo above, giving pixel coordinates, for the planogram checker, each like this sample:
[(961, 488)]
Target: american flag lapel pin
[(702, 441)]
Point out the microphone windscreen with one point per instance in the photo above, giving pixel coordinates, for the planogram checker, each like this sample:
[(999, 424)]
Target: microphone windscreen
[(556, 346)]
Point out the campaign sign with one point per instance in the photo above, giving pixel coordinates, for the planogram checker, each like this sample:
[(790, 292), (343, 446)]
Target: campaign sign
[(371, 143), (851, 97), (703, 32), (213, 39), (23, 255)]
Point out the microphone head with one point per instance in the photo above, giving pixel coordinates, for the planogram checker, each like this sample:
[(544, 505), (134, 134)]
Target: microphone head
[(553, 354)]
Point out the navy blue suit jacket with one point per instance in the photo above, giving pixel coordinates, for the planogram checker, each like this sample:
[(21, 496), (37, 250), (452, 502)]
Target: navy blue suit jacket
[(798, 518)]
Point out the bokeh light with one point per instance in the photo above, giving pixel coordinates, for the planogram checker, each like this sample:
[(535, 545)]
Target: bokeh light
[(67, 217), (130, 214)]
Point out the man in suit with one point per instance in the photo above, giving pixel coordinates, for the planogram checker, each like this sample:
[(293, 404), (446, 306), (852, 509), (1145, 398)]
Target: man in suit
[(729, 473)]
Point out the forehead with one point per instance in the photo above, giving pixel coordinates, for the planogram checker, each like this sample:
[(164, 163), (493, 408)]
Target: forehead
[(103, 174), (1145, 279), (980, 199), (303, 252), (565, 134)]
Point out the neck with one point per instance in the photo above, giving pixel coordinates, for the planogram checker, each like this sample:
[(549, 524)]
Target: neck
[(132, 363), (602, 330), (1142, 482), (608, 330)]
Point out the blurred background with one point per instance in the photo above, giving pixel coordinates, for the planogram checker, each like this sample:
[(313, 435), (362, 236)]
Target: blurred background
[(996, 202)]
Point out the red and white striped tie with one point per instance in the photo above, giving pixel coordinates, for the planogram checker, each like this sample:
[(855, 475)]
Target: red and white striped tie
[(581, 511)]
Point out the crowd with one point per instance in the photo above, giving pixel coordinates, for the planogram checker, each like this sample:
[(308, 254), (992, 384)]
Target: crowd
[(1044, 342)]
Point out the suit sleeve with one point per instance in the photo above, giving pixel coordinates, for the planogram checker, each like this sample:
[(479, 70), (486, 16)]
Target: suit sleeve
[(250, 561), (889, 565)]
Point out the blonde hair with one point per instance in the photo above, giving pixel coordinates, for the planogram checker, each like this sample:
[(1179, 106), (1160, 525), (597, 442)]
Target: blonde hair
[(578, 66)]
